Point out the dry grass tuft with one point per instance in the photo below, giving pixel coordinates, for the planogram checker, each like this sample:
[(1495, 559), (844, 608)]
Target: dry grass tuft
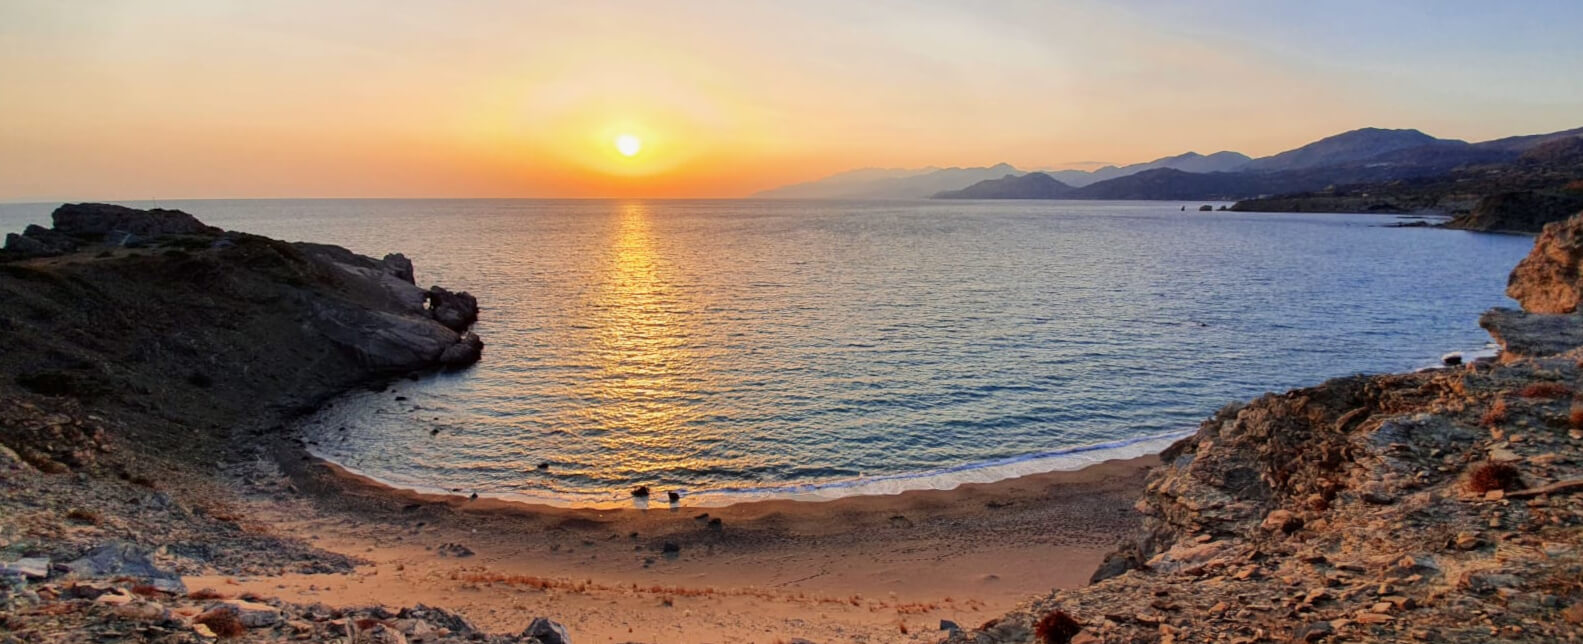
[(1495, 414), (1494, 476), (146, 590), (80, 515), (224, 623), (1057, 627), (204, 594), (1550, 390)]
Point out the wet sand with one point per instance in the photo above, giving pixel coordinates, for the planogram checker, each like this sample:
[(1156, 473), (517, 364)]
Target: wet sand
[(864, 568)]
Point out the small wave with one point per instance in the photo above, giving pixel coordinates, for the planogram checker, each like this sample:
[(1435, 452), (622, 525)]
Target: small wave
[(949, 478)]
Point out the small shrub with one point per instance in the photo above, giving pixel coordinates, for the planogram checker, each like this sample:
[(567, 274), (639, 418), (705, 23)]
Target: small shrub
[(205, 594), (80, 515), (1494, 476), (146, 590), (224, 623), (1057, 627), (1495, 414), (1546, 390)]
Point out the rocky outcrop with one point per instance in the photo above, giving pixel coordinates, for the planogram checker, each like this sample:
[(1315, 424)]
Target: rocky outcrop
[(77, 225), (1528, 335), (1518, 212), (456, 311), (1549, 279), (91, 220), (122, 610), (220, 322), (1431, 506)]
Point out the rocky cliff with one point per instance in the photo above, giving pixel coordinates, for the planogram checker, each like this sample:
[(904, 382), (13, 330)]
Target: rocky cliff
[(149, 362), (1431, 506), (1526, 211)]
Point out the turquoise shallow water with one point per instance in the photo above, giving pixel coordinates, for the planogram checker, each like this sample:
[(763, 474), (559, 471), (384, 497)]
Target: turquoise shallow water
[(738, 349)]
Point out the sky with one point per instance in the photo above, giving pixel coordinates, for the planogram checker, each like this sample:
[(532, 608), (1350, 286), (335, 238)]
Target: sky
[(170, 99)]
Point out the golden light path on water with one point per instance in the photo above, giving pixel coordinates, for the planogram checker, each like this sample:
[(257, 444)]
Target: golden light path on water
[(649, 378)]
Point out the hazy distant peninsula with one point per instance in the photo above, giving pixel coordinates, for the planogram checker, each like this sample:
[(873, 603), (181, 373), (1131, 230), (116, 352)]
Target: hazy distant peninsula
[(1362, 170)]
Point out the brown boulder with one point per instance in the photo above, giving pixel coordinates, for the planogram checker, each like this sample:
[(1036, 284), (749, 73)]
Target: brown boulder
[(1548, 280)]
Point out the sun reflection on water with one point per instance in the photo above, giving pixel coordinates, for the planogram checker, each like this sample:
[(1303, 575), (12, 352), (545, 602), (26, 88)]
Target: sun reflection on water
[(647, 394)]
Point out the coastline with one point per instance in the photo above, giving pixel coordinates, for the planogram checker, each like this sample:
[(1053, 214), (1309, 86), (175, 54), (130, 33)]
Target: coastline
[(1074, 458), (1374, 493), (887, 567)]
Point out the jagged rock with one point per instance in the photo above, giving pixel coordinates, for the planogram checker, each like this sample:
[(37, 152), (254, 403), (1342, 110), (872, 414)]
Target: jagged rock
[(547, 632), (381, 634), (1489, 582), (399, 267), (456, 311), (29, 567), (1118, 563), (97, 220), (1549, 280), (1282, 521), (122, 559), (467, 350), (37, 240), (1522, 334), (251, 614)]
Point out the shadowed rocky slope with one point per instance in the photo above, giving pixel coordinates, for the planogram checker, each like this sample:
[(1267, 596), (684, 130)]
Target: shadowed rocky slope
[(149, 362), (1431, 506)]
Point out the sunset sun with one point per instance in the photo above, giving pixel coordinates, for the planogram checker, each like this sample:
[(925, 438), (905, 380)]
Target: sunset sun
[(628, 145)]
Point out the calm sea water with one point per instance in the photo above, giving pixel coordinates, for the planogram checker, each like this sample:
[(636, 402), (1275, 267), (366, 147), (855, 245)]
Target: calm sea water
[(739, 349)]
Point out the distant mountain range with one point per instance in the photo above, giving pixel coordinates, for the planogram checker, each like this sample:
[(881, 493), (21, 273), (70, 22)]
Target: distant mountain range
[(923, 183), (1363, 156), (1225, 161), (876, 183)]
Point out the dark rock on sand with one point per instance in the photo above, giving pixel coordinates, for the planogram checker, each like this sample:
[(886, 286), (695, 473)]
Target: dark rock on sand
[(547, 632), (121, 559)]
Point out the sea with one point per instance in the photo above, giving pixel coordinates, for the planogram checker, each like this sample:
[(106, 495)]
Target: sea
[(737, 350)]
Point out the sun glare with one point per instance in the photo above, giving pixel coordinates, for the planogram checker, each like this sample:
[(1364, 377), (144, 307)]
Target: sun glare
[(628, 145)]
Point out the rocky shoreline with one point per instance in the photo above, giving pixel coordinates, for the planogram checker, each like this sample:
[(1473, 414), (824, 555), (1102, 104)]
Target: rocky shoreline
[(150, 362), (1432, 506), (153, 364)]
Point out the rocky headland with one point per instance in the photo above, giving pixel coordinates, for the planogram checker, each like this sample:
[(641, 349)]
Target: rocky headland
[(1438, 506), (150, 360)]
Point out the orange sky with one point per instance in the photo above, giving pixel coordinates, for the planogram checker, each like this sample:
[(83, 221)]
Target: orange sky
[(190, 99)]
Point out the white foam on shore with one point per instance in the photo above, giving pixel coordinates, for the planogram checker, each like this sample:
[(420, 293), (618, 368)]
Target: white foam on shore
[(1061, 460)]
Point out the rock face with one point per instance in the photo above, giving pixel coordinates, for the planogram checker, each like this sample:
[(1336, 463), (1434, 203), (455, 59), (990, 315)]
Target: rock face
[(1549, 279), (125, 560), (456, 311), (76, 225), (97, 219), (1428, 506), (1518, 212), (242, 320)]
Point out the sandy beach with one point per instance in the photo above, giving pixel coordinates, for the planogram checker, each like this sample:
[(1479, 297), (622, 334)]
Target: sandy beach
[(867, 568)]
